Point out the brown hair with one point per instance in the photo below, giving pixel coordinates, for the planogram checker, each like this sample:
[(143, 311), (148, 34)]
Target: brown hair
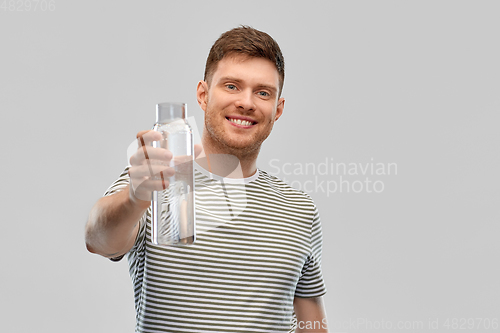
[(247, 41)]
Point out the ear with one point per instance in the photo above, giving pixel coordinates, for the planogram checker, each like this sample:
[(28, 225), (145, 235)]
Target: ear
[(279, 108), (202, 94)]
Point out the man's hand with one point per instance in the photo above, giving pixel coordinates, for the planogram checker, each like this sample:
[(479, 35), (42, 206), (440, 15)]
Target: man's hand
[(113, 222), (113, 225), (150, 168)]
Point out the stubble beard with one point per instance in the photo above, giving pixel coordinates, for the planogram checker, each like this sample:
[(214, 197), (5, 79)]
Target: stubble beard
[(216, 136)]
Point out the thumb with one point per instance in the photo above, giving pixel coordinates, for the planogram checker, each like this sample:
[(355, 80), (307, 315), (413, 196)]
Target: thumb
[(198, 149)]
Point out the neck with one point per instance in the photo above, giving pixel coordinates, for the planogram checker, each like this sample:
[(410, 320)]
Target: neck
[(227, 162)]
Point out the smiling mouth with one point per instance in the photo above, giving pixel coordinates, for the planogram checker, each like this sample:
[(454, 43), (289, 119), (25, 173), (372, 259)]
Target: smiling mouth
[(241, 122)]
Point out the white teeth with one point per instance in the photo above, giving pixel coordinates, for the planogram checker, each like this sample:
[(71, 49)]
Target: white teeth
[(240, 122)]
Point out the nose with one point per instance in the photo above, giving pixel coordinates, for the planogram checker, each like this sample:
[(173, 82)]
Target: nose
[(245, 101)]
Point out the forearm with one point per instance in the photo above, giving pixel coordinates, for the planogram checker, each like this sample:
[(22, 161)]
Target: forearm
[(311, 316), (113, 224)]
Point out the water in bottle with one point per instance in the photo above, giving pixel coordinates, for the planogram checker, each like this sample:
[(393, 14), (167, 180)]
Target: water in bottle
[(172, 210)]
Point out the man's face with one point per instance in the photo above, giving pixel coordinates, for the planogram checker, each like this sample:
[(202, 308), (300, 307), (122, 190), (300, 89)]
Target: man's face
[(241, 105)]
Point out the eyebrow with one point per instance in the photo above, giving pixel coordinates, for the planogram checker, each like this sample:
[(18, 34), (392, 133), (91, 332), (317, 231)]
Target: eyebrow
[(234, 79)]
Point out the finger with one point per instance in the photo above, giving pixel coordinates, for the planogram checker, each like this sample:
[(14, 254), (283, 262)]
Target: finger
[(145, 189), (148, 186), (144, 138), (148, 137), (198, 149), (150, 171), (154, 155), (177, 160), (143, 143), (158, 182), (182, 164)]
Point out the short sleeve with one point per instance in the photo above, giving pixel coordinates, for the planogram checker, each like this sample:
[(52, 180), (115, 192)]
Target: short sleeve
[(117, 186), (311, 283)]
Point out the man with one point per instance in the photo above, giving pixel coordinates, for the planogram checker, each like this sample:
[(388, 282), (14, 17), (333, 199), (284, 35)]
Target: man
[(259, 267)]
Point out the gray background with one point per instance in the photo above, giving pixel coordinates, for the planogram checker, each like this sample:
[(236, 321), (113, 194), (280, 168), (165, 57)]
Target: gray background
[(414, 83)]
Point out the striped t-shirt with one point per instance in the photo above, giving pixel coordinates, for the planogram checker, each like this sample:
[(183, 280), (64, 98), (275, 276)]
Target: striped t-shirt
[(258, 245)]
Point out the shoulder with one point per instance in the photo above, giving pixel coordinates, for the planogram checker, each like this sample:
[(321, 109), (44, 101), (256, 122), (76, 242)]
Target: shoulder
[(284, 190), (281, 185)]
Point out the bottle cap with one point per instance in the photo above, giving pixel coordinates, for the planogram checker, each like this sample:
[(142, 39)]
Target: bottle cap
[(168, 112)]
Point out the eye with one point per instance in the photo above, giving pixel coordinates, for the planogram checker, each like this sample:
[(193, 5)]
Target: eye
[(231, 86), (264, 94)]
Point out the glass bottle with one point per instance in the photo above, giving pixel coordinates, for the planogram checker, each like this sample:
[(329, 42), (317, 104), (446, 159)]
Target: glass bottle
[(172, 210)]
